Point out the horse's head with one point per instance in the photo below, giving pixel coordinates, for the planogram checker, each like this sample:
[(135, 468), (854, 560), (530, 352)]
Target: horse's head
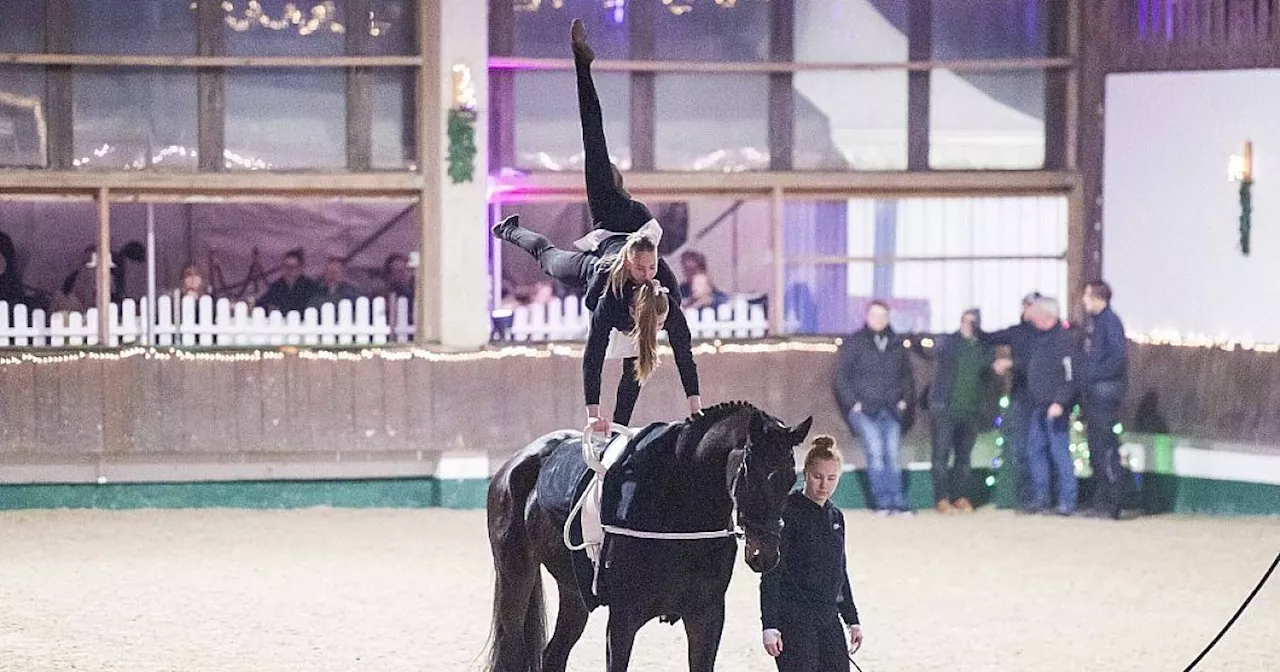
[(760, 482)]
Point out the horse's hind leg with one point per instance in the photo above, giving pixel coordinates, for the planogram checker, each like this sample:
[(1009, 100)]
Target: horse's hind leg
[(621, 638), (703, 630), (571, 620)]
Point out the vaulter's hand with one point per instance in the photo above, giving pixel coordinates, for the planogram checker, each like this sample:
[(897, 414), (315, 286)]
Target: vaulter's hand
[(695, 405), (772, 642), (599, 425), (855, 638)]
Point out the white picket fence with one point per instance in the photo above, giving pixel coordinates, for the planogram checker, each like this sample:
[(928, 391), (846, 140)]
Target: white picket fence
[(206, 322), (567, 320)]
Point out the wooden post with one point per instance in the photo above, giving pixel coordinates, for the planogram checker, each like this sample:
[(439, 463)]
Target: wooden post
[(1085, 227), (776, 219), (919, 48), (59, 39), (359, 89), (782, 108), (430, 158), (104, 266), (211, 97), (644, 102), (502, 88)]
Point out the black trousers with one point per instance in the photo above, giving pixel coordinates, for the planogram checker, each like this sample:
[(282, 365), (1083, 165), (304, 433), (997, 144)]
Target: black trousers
[(812, 642), (574, 269), (1101, 409), (951, 436)]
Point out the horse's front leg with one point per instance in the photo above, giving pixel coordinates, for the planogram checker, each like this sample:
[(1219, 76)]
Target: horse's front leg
[(622, 628), (703, 629)]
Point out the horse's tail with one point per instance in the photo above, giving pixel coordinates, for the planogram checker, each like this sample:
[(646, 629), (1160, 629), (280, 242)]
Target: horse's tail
[(519, 630)]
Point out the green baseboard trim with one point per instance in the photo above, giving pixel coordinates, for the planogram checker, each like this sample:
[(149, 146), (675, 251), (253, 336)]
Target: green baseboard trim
[(381, 493), (468, 493), (1166, 493), (1157, 493)]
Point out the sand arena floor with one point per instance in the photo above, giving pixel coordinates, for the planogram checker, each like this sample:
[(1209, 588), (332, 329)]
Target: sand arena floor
[(392, 590)]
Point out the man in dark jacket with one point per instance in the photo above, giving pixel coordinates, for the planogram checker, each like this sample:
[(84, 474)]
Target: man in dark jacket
[(874, 384), (1021, 339), (1103, 375), (957, 400), (293, 290), (1051, 391)]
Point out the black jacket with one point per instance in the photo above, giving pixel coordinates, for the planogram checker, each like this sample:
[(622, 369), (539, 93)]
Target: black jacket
[(877, 380), (1021, 339), (811, 573), (1105, 357), (613, 311), (1050, 375)]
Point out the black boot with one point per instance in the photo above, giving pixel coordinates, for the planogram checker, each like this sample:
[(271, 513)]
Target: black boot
[(578, 38), (503, 230)]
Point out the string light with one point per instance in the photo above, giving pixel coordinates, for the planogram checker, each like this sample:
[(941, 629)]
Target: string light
[(322, 15), (390, 353), (393, 352), (1195, 340)]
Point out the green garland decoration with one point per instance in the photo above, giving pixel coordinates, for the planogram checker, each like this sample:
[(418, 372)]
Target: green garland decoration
[(462, 144), (1246, 214)]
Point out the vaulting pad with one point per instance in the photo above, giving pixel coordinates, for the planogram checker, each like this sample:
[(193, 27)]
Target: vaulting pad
[(635, 487)]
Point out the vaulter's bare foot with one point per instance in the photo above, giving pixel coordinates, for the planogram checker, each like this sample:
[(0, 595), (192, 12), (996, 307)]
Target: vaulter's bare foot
[(578, 35)]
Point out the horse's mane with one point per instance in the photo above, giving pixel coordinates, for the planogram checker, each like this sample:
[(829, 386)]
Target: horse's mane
[(697, 426)]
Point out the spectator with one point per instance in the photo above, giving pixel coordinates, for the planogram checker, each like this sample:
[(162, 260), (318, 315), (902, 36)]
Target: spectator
[(1103, 372), (957, 401), (1051, 391), (692, 262), (333, 286), (1020, 338), (874, 385), (397, 281), (293, 290), (12, 291), (193, 282), (397, 278), (702, 294)]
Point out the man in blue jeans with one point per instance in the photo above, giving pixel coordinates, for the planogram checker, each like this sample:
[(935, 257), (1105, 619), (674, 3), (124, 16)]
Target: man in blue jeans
[(1021, 339), (874, 385), (1051, 392)]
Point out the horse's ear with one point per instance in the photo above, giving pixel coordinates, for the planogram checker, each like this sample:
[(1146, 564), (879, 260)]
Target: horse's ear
[(801, 431)]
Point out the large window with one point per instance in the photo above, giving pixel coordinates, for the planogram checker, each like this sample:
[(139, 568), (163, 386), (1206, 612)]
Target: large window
[(548, 135), (135, 119), (932, 258), (138, 27), (712, 122), (286, 119)]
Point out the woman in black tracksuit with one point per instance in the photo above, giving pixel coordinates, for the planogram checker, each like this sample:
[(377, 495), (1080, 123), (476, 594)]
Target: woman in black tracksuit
[(628, 287), (804, 598)]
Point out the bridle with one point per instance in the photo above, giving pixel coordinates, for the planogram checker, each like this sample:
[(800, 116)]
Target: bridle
[(740, 521)]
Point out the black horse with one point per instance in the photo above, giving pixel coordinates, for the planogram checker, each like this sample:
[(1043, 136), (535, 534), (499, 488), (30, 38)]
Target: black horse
[(732, 456)]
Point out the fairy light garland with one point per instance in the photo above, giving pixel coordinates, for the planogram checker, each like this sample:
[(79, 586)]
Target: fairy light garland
[(540, 351)]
